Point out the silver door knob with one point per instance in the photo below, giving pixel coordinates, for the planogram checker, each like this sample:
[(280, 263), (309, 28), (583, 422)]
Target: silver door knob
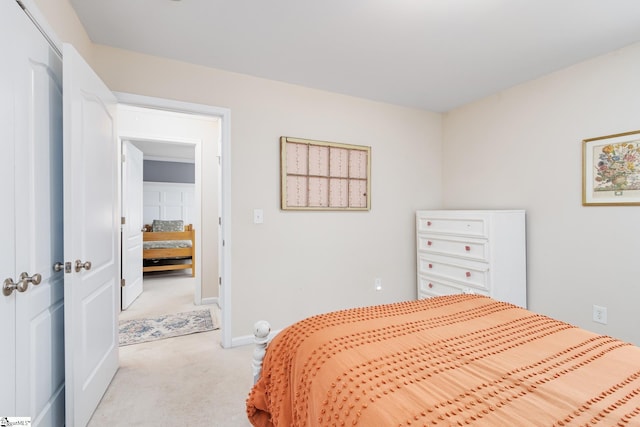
[(8, 286), (58, 266), (80, 265), (25, 279)]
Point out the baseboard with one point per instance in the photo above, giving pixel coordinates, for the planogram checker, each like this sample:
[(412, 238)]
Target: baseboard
[(210, 300), (242, 340)]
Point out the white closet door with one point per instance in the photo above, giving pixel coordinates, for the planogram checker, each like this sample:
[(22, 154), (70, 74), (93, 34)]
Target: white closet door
[(92, 225), (8, 22), (132, 176), (39, 310), (31, 114)]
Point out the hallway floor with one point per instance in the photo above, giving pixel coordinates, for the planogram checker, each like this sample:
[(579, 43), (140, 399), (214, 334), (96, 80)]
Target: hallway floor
[(188, 380)]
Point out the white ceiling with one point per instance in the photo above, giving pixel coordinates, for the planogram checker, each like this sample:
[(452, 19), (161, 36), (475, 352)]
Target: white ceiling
[(429, 54), (166, 151)]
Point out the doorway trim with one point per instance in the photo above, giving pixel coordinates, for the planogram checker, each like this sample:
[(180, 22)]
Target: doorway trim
[(224, 236)]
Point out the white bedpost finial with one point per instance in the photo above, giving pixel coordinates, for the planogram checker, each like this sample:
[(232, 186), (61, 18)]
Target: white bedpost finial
[(261, 331)]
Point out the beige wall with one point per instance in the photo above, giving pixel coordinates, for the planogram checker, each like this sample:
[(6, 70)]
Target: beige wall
[(521, 148), (301, 263), (298, 263), (65, 23)]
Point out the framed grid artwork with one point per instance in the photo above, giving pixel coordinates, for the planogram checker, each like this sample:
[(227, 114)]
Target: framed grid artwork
[(319, 175)]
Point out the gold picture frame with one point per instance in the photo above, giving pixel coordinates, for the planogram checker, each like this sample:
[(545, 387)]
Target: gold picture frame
[(611, 170), (320, 175)]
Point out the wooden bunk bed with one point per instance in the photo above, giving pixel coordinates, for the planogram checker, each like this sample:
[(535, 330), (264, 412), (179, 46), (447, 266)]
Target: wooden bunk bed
[(167, 250)]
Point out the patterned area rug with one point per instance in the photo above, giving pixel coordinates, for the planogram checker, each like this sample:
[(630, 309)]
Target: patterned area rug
[(171, 325)]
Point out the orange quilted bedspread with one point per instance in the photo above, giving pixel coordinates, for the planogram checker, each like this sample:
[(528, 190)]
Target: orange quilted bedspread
[(455, 360)]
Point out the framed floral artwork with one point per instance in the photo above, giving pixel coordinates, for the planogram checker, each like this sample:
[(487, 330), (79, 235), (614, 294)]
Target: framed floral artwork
[(611, 170), (319, 175)]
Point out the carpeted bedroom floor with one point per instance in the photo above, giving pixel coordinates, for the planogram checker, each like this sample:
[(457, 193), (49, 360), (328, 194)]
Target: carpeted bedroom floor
[(188, 380)]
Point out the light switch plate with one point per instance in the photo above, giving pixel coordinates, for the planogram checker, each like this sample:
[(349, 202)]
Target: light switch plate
[(258, 216)]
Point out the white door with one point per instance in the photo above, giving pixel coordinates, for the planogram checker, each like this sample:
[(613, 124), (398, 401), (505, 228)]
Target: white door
[(132, 205), (92, 224), (8, 22), (40, 309), (32, 320)]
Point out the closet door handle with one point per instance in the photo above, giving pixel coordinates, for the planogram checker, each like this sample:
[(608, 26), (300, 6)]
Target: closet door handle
[(8, 286), (25, 279), (80, 265)]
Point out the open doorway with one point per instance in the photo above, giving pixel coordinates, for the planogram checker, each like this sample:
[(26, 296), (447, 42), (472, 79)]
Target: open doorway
[(172, 145), (158, 191), (221, 156)]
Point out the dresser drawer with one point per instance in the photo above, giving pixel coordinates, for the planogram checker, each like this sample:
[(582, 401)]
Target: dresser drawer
[(476, 226), (432, 287), (471, 273), (461, 247)]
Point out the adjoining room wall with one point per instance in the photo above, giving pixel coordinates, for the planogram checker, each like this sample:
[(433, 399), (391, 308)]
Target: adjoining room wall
[(162, 171)]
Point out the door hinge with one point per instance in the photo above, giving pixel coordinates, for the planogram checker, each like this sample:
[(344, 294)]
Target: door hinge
[(123, 220), (123, 158), (219, 220), (220, 281), (123, 282)]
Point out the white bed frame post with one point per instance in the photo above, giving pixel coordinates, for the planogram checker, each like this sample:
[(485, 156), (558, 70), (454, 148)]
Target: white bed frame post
[(261, 331)]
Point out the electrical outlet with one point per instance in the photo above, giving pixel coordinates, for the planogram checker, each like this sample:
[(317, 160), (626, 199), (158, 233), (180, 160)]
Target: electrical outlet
[(600, 314), (377, 284)]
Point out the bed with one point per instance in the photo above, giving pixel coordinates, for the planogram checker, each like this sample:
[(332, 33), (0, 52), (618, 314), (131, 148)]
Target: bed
[(169, 245), (449, 361)]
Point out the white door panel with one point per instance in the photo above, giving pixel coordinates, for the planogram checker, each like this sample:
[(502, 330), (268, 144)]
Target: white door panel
[(91, 217), (132, 201), (41, 395), (8, 12), (39, 366)]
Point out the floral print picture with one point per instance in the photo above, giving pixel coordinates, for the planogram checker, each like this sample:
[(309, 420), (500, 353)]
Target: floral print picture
[(618, 167), (611, 170)]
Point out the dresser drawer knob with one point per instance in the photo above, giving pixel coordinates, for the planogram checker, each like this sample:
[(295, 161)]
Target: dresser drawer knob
[(429, 243), (467, 248), (430, 265), (428, 223), (468, 274), (430, 285)]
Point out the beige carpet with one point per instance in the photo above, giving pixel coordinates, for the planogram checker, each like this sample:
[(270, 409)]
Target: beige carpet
[(188, 380)]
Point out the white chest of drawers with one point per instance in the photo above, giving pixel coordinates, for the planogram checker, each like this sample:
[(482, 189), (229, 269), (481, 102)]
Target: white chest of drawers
[(472, 251)]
